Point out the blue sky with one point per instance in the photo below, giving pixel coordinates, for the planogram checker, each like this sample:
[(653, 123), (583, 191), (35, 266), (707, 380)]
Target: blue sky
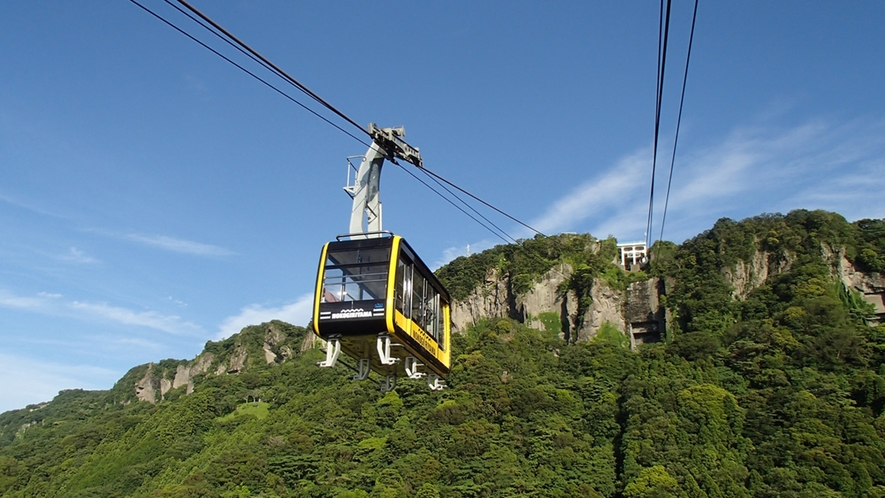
[(154, 197)]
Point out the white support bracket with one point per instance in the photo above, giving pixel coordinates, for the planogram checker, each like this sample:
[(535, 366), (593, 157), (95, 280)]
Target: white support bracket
[(435, 383), (383, 347), (389, 383), (411, 365), (333, 349), (363, 369)]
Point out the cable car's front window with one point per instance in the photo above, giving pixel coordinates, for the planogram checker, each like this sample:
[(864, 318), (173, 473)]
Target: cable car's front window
[(357, 256), (356, 275)]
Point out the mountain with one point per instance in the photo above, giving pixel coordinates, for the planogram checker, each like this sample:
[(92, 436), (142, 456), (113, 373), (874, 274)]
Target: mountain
[(747, 361), (571, 282)]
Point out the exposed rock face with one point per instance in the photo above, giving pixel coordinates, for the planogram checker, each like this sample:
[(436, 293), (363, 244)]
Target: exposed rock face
[(645, 317), (184, 374), (872, 286), (545, 295), (152, 388), (496, 298), (309, 341), (745, 277), (230, 359), (493, 298), (607, 306), (238, 360), (146, 388), (273, 351), (269, 355)]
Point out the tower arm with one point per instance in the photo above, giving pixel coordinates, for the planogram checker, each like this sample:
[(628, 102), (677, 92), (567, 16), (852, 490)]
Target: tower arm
[(387, 143)]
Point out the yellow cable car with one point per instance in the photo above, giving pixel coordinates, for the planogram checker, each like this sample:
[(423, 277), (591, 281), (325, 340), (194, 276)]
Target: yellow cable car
[(375, 300)]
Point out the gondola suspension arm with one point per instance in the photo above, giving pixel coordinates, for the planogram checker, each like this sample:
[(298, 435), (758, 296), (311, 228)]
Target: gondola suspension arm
[(387, 143)]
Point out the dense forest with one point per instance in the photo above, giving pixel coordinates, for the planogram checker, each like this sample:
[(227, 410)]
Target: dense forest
[(776, 393)]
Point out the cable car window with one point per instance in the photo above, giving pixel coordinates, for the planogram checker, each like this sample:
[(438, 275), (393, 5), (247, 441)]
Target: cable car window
[(432, 310), (359, 283), (357, 256), (418, 300), (355, 275), (400, 290)]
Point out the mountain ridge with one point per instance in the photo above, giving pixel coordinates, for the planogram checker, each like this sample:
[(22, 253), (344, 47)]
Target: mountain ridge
[(773, 387)]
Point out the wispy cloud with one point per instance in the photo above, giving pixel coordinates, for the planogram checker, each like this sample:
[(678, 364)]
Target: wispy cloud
[(817, 165), (597, 195), (757, 169), (28, 206), (135, 341), (167, 323), (177, 302), (454, 252), (53, 304), (9, 300), (25, 381), (180, 245), (752, 170), (297, 313), (77, 256)]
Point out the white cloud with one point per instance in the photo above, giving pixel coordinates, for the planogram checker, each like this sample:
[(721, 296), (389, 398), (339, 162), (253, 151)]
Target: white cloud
[(52, 304), (815, 165), (135, 341), (623, 181), (753, 170), (177, 302), (296, 313), (180, 245), (167, 323), (77, 256), (453, 252), (9, 300), (449, 254), (12, 201), (25, 381)]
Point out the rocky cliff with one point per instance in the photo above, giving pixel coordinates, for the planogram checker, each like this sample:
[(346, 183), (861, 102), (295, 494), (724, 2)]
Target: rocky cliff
[(871, 286), (635, 311), (272, 342)]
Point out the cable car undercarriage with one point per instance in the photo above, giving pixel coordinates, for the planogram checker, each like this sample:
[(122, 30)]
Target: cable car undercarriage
[(389, 354)]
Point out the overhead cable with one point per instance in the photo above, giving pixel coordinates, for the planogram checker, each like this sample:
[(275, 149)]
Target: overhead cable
[(459, 208), (462, 201), (274, 66), (245, 52), (245, 49), (250, 73), (662, 65), (480, 200), (679, 119)]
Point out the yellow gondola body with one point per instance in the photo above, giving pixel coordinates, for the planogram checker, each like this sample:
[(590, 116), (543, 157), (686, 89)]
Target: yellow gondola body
[(384, 307)]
